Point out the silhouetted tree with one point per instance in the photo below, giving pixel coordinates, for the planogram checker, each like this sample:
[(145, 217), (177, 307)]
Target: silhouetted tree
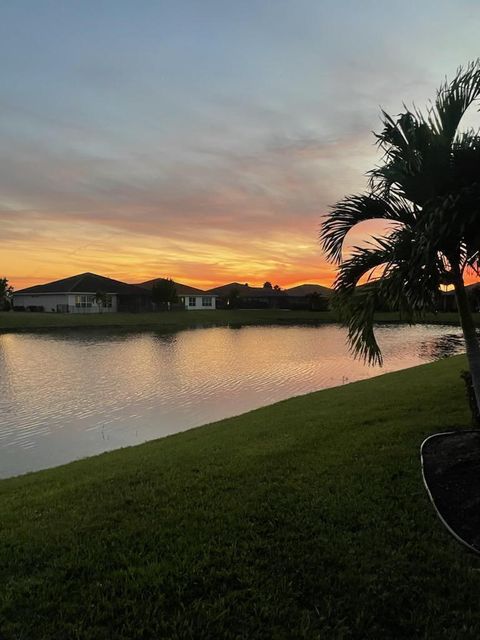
[(277, 288), (267, 285), (233, 298), (164, 292), (317, 302), (428, 187), (6, 292), (101, 300)]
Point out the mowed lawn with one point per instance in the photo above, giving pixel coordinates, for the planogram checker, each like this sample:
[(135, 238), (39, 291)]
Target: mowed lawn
[(163, 320), (305, 519), (175, 320)]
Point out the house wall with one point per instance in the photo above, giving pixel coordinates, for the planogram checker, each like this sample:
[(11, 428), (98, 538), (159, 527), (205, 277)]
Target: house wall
[(65, 302), (95, 308), (198, 303), (48, 301)]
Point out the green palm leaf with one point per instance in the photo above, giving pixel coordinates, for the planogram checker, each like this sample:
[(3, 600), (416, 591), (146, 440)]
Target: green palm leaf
[(352, 210), (428, 186)]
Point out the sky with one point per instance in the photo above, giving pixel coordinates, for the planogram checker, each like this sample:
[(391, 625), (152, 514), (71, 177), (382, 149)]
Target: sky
[(201, 140)]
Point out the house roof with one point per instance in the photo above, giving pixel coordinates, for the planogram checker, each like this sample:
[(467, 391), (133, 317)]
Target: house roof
[(245, 291), (182, 289), (84, 283), (308, 289)]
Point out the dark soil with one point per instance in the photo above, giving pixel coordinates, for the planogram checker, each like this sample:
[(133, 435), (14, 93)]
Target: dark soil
[(451, 466)]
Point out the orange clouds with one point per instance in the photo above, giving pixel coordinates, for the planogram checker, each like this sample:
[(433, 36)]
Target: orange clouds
[(215, 216), (250, 217), (286, 261)]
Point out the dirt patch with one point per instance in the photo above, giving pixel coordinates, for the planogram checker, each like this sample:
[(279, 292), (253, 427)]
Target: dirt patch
[(451, 467)]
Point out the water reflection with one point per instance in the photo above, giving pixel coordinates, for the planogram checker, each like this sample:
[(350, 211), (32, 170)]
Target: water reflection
[(76, 393), (442, 347)]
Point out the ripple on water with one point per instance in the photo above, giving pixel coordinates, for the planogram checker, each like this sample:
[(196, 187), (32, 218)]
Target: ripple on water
[(68, 396)]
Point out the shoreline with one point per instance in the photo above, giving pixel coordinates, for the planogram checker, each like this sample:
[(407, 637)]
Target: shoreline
[(11, 322), (207, 424)]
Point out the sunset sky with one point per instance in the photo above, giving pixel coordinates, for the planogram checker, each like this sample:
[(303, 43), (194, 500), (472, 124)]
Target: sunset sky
[(201, 140)]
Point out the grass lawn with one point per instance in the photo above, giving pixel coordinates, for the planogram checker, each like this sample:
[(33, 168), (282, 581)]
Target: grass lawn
[(161, 321), (305, 519), (181, 320)]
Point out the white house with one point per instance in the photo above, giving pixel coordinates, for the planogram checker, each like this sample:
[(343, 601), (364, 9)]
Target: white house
[(83, 293), (205, 301), (192, 298)]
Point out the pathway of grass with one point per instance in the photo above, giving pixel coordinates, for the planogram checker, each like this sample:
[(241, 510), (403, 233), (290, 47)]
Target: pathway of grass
[(305, 519), (181, 320)]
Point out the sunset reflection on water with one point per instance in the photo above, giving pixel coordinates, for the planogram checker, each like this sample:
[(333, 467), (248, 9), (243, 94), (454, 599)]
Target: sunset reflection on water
[(71, 394)]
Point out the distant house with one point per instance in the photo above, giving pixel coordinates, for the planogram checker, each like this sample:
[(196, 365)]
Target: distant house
[(308, 289), (448, 302), (309, 296), (246, 297), (189, 297), (83, 293), (92, 293)]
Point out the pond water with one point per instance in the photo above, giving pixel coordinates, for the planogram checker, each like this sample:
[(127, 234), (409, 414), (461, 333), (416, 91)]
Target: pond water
[(71, 394)]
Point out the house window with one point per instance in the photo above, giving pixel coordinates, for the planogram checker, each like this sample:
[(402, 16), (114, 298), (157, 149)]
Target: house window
[(192, 301), (207, 301), (83, 302)]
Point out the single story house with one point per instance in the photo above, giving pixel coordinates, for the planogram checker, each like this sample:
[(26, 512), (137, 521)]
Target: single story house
[(83, 293), (448, 302), (243, 296), (236, 295), (189, 298)]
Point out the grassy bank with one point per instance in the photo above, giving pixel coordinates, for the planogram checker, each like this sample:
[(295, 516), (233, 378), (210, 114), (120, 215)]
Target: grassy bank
[(183, 320), (158, 321), (305, 519)]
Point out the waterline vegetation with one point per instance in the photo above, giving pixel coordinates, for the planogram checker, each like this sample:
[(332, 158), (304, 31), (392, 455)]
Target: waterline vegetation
[(6, 291), (176, 320)]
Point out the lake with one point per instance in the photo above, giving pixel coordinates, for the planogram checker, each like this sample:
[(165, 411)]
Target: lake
[(71, 394)]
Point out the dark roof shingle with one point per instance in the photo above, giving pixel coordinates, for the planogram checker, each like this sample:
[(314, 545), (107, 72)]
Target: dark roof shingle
[(244, 291), (85, 283), (307, 289), (182, 289)]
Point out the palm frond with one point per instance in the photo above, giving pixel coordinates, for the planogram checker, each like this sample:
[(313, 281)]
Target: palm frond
[(356, 312), (417, 148), (403, 282), (428, 184), (410, 148), (360, 264), (453, 99), (354, 209)]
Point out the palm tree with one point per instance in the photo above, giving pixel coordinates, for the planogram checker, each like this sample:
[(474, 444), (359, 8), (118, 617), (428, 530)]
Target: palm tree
[(427, 188)]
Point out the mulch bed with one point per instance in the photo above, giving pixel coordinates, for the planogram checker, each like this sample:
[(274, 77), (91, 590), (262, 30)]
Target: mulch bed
[(451, 468)]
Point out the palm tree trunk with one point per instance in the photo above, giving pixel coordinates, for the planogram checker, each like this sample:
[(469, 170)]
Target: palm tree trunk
[(471, 342)]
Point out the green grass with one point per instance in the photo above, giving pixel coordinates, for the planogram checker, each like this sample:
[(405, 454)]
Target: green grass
[(162, 321), (305, 519), (179, 320)]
